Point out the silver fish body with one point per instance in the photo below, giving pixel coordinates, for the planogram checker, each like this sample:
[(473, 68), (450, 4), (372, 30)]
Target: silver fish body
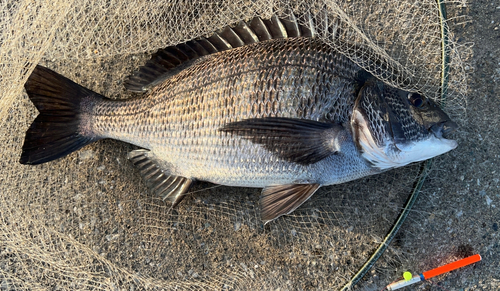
[(180, 120), (264, 104)]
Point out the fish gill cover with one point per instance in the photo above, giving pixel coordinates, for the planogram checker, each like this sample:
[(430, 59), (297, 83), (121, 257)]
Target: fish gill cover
[(87, 221)]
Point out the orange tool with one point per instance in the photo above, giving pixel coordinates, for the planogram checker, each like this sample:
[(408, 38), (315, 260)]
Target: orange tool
[(435, 272)]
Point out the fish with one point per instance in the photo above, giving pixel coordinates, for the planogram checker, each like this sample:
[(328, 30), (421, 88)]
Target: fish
[(264, 104)]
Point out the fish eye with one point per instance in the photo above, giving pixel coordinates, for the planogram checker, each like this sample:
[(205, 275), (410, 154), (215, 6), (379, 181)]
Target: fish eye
[(416, 99)]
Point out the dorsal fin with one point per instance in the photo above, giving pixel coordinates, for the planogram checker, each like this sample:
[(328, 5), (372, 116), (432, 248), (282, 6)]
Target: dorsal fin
[(171, 60)]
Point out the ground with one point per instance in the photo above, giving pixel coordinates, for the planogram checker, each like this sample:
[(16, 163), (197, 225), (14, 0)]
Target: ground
[(88, 221), (460, 203)]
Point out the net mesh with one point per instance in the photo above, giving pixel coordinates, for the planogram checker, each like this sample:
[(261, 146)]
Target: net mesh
[(87, 221)]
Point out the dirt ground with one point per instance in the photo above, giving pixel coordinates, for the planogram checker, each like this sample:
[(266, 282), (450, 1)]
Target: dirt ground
[(457, 213), (459, 208)]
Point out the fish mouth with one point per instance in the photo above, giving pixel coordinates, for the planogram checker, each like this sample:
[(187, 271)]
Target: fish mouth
[(440, 132), (443, 129), (438, 140)]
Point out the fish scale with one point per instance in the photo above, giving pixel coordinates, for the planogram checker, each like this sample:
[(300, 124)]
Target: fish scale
[(288, 114), (189, 110)]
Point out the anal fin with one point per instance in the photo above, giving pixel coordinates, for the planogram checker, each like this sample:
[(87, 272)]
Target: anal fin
[(283, 199), (168, 187)]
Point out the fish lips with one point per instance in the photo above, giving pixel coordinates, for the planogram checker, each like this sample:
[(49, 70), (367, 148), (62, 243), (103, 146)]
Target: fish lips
[(443, 129), (439, 132)]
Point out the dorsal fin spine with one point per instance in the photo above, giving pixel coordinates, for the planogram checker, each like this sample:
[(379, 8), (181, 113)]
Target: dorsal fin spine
[(291, 26), (189, 51), (260, 29), (232, 37), (219, 42), (168, 61), (208, 46), (246, 33), (199, 49), (276, 27)]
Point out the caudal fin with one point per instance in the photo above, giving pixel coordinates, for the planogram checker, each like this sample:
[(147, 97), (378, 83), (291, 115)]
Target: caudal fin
[(57, 130)]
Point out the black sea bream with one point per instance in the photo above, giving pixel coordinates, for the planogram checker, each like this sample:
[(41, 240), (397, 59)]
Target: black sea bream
[(262, 104)]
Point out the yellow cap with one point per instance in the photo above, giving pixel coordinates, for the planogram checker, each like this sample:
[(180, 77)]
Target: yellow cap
[(407, 276)]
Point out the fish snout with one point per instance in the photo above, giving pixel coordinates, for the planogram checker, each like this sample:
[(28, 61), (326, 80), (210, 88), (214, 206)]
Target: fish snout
[(444, 128)]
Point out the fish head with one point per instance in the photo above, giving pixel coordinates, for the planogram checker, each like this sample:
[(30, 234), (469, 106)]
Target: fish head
[(393, 127)]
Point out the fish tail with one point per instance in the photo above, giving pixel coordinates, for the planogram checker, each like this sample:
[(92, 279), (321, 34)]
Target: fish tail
[(63, 125)]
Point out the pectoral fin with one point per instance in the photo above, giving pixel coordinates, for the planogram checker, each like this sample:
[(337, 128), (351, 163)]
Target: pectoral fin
[(283, 199), (296, 140), (157, 178)]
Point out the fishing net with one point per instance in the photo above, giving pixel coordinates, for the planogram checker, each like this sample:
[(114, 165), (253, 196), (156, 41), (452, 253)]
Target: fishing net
[(87, 221)]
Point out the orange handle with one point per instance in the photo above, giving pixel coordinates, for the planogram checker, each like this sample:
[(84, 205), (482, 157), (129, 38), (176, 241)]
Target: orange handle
[(451, 266)]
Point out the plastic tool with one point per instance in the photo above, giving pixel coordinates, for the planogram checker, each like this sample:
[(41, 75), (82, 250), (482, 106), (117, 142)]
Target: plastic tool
[(434, 272)]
